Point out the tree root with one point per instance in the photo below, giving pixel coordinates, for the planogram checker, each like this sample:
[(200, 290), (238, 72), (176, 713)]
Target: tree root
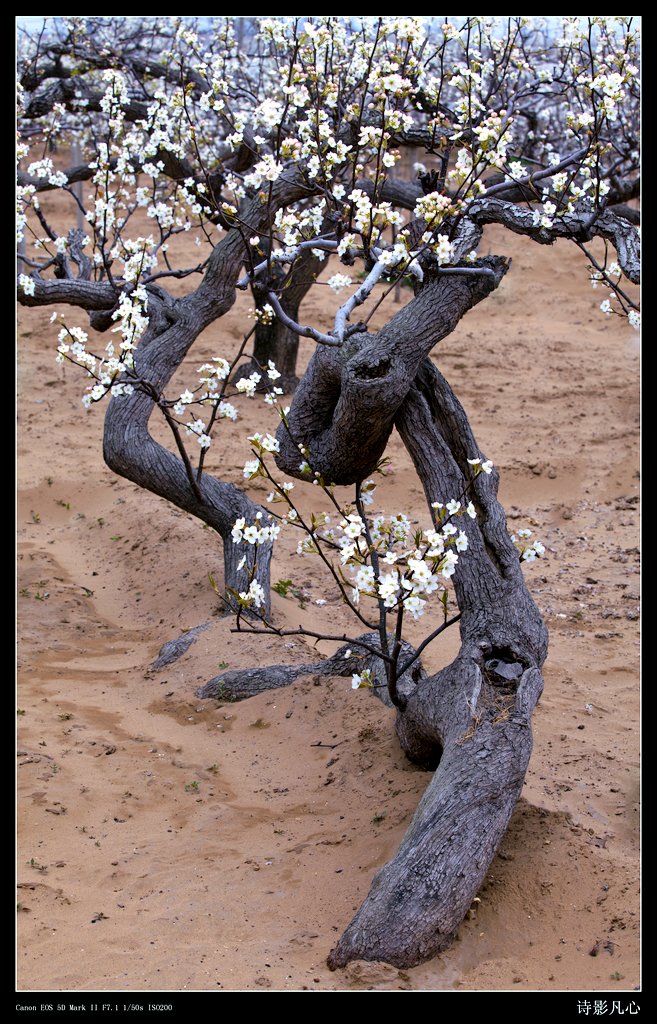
[(240, 684), (174, 649)]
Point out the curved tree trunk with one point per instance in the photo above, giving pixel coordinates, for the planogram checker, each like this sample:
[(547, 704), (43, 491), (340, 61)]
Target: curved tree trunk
[(131, 451), (472, 719), (471, 722), (174, 326)]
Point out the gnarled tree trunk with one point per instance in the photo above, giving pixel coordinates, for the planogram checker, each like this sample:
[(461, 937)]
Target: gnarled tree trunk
[(471, 721), (128, 447), (131, 451)]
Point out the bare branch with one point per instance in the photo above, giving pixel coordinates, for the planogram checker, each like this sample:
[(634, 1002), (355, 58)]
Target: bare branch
[(304, 332), (358, 297)]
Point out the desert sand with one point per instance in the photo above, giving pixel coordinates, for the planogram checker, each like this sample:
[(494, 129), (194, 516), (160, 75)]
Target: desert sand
[(172, 843)]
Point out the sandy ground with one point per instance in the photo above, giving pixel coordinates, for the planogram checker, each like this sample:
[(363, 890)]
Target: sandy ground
[(171, 843)]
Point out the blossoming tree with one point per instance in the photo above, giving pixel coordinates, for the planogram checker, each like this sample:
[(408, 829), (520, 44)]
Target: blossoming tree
[(280, 143)]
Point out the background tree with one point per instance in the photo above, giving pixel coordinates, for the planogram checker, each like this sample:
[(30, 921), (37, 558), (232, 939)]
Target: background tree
[(282, 144)]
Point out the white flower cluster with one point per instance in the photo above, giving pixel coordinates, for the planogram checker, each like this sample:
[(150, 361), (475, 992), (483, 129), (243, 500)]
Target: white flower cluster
[(247, 385), (432, 208), (545, 217), (388, 561), (338, 282), (267, 169), (26, 283), (494, 137), (481, 467), (198, 429), (45, 169), (211, 391), (106, 371), (362, 680), (609, 90), (255, 595), (264, 443), (256, 533), (528, 551), (264, 314)]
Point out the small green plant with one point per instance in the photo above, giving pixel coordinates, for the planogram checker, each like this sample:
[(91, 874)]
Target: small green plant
[(617, 976), (213, 584), (287, 587), (214, 768), (222, 664), (65, 716), (378, 817), (24, 592), (36, 518), (20, 711), (33, 863), (224, 695), (192, 787), (41, 595), (117, 536), (64, 504)]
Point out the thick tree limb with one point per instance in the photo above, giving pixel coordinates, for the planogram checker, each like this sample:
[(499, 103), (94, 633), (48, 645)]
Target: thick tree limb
[(174, 649), (131, 451), (85, 294), (627, 213), (367, 379), (393, 190), (80, 172), (581, 226), (69, 92), (417, 901)]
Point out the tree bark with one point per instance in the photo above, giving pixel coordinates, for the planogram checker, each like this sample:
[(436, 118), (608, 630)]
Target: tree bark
[(470, 723), (344, 408), (582, 225), (174, 326), (472, 719), (131, 451), (240, 684)]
